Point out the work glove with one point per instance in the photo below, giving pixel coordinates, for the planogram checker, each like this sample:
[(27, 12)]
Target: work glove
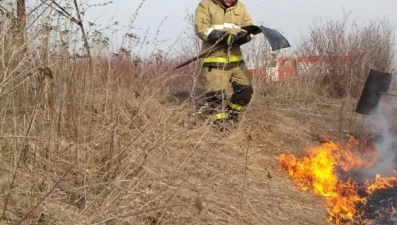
[(221, 36), (215, 36), (242, 37), (229, 39)]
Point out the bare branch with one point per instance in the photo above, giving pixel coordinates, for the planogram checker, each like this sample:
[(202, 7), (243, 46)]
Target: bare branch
[(4, 10), (77, 21), (85, 39), (45, 196), (61, 11)]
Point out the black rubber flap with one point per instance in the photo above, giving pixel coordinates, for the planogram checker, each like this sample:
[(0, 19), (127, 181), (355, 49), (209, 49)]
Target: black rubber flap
[(377, 83), (276, 40), (252, 29)]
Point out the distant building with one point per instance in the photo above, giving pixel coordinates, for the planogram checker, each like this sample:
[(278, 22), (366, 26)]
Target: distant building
[(277, 68)]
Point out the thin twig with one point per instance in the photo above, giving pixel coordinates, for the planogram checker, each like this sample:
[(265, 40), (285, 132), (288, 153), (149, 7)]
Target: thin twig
[(63, 11), (77, 21), (22, 154), (245, 169), (2, 9), (80, 23), (30, 212), (35, 8), (39, 15)]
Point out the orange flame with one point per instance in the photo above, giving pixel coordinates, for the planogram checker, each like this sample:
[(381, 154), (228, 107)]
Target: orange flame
[(380, 183), (316, 172)]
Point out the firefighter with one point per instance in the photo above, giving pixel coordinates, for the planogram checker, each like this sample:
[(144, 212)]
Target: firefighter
[(219, 22)]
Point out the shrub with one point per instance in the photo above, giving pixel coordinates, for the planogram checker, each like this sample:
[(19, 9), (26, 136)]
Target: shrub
[(370, 46)]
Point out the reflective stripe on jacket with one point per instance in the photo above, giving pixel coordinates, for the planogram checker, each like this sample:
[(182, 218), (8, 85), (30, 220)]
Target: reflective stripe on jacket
[(211, 15)]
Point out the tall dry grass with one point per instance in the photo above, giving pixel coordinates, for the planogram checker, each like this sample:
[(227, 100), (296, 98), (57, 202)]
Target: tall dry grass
[(117, 139), (112, 120)]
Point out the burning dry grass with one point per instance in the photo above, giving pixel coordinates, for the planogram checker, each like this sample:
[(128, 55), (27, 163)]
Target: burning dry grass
[(338, 173)]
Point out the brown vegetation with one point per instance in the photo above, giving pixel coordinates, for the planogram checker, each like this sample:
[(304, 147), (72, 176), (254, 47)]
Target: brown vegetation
[(138, 153), (366, 47)]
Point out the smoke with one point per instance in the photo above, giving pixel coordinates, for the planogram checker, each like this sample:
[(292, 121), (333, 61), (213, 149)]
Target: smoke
[(386, 142), (387, 156)]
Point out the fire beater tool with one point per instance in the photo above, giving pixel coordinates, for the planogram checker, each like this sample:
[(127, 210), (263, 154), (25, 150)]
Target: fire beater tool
[(376, 85), (276, 40)]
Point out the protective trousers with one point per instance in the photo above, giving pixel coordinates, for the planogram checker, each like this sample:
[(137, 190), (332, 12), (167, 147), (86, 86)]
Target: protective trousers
[(217, 80)]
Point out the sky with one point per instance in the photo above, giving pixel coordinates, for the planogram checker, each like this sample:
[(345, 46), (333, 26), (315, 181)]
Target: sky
[(291, 17)]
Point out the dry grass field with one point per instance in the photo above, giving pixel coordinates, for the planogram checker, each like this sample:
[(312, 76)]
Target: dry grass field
[(141, 154), (113, 140)]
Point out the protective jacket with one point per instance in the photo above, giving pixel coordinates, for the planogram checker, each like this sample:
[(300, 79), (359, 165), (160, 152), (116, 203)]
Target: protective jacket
[(212, 14)]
